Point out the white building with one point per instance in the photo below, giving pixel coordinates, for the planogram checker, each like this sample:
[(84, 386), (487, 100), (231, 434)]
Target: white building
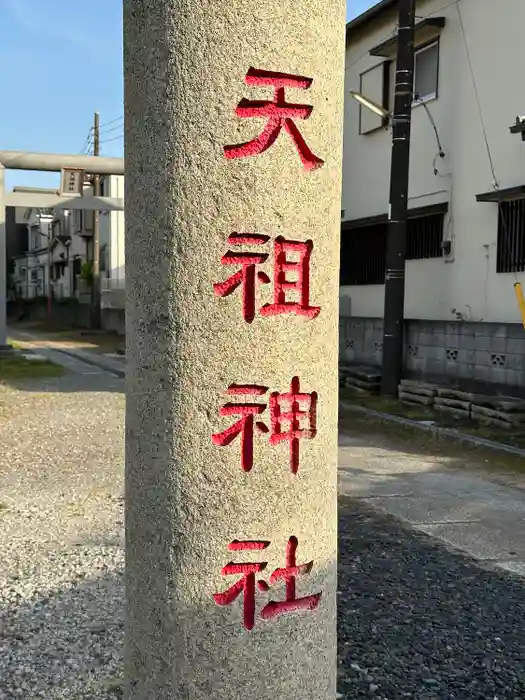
[(60, 243), (466, 234)]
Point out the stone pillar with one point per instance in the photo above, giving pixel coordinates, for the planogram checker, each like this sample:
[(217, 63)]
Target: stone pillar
[(233, 133)]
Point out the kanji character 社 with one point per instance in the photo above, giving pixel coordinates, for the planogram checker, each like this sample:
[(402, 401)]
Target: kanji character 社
[(279, 114), (281, 285), (246, 276), (246, 424), (289, 574), (246, 583), (287, 415)]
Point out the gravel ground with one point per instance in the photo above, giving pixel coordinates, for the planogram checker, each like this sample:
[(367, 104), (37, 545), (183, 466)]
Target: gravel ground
[(418, 621), (415, 620), (61, 538)]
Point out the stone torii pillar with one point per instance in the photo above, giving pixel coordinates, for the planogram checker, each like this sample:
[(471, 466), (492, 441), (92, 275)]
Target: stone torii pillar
[(233, 138)]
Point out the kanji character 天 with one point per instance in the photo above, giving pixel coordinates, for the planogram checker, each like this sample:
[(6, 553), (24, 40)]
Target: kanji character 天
[(289, 575), (246, 583), (246, 424), (279, 114), (291, 418), (246, 276), (281, 285)]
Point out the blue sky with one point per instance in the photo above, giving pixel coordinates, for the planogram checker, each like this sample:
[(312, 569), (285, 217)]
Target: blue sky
[(62, 60)]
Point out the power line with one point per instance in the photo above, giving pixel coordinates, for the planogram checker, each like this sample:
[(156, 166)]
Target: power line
[(495, 183), (113, 128), (113, 121), (114, 138)]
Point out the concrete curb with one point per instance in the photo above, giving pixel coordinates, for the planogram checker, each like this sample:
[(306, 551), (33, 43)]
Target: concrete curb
[(89, 359), (435, 430)]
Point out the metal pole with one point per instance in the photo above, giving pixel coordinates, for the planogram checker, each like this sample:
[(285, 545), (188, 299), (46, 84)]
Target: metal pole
[(49, 287), (55, 162), (3, 268), (399, 176), (95, 282)]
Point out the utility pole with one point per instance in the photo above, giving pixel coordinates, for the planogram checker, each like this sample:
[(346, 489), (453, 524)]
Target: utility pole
[(4, 348), (95, 283), (397, 216)]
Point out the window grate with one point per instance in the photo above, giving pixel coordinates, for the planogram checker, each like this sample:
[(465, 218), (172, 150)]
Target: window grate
[(363, 255), (511, 236), (363, 249), (425, 237)]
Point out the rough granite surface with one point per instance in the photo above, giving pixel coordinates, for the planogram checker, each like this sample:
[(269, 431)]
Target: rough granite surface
[(185, 67)]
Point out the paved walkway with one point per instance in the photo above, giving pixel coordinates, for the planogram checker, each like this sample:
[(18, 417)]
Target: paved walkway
[(75, 359), (444, 497)]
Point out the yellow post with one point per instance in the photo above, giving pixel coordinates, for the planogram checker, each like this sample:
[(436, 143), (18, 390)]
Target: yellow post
[(521, 300)]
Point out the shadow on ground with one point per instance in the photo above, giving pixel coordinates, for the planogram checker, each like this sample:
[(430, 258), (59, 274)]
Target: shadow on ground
[(417, 621), (411, 441), (69, 383)]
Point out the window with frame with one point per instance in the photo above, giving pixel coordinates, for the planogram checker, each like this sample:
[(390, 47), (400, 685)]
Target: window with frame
[(363, 249), (426, 70), (78, 219), (425, 237), (511, 236), (363, 255)]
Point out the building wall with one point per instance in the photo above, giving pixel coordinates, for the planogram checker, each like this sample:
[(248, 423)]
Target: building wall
[(112, 229), (467, 282)]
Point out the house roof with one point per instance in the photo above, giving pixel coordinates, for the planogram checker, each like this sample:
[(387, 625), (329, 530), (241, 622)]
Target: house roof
[(369, 15)]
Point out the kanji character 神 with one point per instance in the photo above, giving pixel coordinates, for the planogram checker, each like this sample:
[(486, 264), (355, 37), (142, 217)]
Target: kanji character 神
[(246, 424), (283, 287), (279, 114), (291, 419), (247, 582), (288, 412)]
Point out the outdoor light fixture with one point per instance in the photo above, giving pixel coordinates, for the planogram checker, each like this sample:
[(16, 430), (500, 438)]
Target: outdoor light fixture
[(370, 104), (386, 114)]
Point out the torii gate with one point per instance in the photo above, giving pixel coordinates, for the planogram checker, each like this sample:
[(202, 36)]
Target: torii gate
[(49, 162)]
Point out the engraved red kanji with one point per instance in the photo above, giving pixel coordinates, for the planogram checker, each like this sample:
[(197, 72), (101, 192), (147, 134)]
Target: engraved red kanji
[(246, 425), (282, 285), (289, 575), (287, 416), (246, 276), (279, 114), (288, 413), (245, 584)]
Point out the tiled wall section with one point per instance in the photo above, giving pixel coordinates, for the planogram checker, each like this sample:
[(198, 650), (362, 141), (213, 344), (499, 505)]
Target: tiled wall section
[(484, 352)]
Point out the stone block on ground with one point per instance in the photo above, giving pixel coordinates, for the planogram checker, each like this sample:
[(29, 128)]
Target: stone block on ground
[(456, 412), (454, 403), (409, 397), (419, 388), (360, 384)]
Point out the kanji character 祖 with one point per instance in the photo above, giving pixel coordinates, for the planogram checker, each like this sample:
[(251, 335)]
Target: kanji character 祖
[(288, 575), (286, 411), (281, 285), (279, 114), (246, 276), (245, 584), (246, 424)]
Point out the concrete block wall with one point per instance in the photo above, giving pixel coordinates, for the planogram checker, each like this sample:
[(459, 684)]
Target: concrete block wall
[(481, 353)]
